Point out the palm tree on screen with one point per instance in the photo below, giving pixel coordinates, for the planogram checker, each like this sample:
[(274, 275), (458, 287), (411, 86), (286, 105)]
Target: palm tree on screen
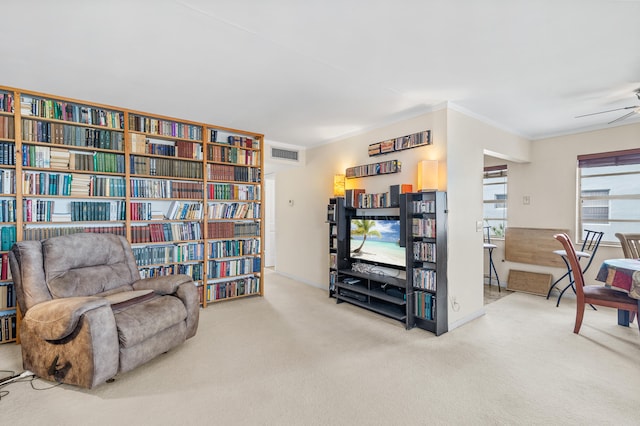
[(364, 227)]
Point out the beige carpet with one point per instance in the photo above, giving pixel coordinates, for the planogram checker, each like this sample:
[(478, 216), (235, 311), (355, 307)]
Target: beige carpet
[(294, 357)]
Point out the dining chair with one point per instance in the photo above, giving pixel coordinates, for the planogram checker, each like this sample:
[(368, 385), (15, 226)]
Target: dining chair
[(630, 245), (593, 294), (587, 251), (490, 246)]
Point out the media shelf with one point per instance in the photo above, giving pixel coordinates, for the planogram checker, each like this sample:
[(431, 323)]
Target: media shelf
[(414, 293), (377, 293)]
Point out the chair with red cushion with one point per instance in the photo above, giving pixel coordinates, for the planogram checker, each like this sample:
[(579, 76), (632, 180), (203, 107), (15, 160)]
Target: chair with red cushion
[(593, 294)]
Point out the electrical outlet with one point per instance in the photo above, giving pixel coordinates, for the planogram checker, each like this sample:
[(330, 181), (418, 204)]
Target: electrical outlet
[(526, 200), (479, 226)]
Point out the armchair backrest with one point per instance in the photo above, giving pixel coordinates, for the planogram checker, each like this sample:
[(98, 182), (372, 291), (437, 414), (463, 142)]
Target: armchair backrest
[(83, 264)]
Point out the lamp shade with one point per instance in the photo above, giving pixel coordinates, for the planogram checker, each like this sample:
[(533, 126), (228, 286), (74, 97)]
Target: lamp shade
[(428, 175), (338, 185)]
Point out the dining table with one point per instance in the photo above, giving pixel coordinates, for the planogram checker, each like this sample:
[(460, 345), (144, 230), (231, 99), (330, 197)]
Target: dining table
[(623, 274)]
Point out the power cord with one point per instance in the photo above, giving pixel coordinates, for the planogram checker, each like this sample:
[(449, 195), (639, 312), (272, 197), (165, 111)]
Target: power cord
[(26, 375)]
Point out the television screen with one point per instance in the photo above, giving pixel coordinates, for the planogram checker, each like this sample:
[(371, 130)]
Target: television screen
[(376, 241)]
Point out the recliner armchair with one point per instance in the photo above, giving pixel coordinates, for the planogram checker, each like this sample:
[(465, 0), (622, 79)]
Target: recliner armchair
[(87, 314)]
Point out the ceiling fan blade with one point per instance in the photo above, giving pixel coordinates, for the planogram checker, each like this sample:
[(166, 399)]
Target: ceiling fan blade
[(623, 117), (611, 110)]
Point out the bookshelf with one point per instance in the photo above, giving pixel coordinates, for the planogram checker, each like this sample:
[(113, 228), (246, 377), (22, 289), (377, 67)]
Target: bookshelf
[(414, 294), (187, 195), (426, 233), (8, 317), (234, 194)]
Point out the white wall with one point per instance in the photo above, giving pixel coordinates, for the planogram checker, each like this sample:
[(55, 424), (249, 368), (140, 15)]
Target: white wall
[(459, 143), (467, 140), (302, 237), (550, 180)]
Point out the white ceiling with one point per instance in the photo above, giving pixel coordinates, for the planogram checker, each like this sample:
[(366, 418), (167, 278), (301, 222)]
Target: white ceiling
[(304, 72)]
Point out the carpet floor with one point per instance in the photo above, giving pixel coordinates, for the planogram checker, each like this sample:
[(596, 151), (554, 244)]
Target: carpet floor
[(295, 357)]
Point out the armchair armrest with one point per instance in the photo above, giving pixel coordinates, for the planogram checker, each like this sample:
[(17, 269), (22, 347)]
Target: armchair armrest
[(56, 319), (165, 284)]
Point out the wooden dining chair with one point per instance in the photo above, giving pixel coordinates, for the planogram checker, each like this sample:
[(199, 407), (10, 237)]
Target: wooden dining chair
[(630, 245), (593, 294)]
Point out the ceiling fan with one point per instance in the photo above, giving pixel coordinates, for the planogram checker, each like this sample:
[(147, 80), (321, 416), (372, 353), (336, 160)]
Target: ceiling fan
[(635, 109)]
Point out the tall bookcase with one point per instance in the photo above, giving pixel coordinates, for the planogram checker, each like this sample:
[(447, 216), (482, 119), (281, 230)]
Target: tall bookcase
[(417, 299), (8, 317), (425, 214), (72, 166)]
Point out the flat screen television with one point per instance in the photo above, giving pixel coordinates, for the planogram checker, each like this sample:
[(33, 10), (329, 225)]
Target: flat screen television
[(376, 240)]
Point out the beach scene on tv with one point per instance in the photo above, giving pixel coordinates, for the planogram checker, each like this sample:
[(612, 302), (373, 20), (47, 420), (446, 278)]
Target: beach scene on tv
[(376, 240)]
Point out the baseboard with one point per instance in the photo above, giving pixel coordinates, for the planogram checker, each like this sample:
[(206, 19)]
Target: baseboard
[(302, 280), (462, 321)]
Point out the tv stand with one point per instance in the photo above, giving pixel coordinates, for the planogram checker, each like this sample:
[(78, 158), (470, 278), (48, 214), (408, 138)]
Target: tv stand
[(378, 293), (417, 296)]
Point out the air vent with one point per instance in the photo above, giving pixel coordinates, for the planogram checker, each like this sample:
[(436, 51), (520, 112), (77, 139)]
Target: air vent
[(284, 154)]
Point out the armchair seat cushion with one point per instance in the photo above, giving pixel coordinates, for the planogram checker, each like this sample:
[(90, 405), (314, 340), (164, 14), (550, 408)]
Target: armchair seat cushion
[(141, 321)]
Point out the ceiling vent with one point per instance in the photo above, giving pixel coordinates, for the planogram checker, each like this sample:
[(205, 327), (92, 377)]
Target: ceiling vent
[(284, 154)]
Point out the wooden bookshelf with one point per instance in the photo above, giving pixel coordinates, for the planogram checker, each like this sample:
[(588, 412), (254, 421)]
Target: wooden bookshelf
[(69, 166)]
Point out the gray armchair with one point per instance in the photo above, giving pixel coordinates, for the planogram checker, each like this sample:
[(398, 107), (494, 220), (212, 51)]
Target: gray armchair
[(88, 316)]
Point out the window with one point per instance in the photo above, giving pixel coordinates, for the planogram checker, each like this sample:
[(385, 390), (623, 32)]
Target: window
[(609, 193), (495, 199)]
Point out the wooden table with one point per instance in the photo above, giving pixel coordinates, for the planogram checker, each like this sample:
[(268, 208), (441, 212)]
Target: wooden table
[(623, 274)]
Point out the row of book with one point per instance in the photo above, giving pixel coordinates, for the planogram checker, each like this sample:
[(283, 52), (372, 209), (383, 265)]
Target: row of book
[(424, 227), (171, 253), (7, 210), (42, 233), (230, 191), (233, 210), (423, 206), (233, 155), (166, 232), (194, 270), (234, 288), (385, 167), (161, 188), (46, 157), (425, 305), (359, 199), (8, 327), (71, 135), (424, 278), (83, 211), (233, 173), (59, 110), (232, 267), (7, 237), (233, 229), (184, 211), (7, 181), (140, 144), (7, 130), (70, 184), (7, 290), (7, 153), (160, 127), (242, 141), (425, 252), (231, 248), (6, 102), (165, 167), (400, 143), (142, 211)]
